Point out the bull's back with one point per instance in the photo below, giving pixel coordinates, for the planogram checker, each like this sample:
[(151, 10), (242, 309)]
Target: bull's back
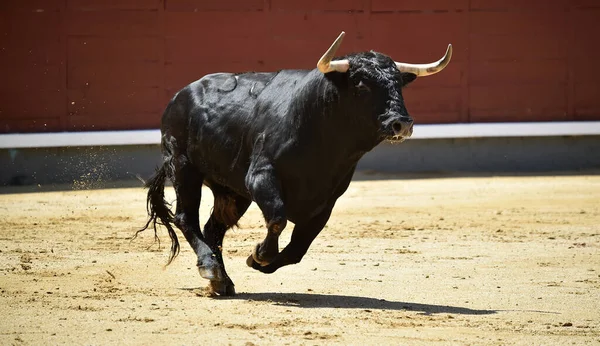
[(213, 119)]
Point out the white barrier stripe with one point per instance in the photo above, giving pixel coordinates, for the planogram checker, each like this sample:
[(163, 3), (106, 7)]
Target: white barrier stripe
[(530, 129), (79, 139), (142, 137)]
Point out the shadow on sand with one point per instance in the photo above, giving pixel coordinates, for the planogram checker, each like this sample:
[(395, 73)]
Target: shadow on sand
[(304, 300)]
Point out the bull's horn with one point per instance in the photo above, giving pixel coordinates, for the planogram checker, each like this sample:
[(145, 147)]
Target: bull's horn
[(422, 70), (325, 64)]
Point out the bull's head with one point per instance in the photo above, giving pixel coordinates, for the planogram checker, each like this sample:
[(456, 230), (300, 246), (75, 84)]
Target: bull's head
[(377, 82)]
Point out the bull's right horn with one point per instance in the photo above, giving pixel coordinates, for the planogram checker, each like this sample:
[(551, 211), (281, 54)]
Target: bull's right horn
[(325, 65), (422, 70)]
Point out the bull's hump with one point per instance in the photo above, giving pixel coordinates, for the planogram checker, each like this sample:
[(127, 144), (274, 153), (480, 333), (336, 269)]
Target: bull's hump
[(223, 82), (229, 82)]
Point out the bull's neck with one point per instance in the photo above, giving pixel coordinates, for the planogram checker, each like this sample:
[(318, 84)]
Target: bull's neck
[(330, 117)]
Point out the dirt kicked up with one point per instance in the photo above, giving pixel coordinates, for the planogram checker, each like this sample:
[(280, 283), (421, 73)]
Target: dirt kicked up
[(485, 260)]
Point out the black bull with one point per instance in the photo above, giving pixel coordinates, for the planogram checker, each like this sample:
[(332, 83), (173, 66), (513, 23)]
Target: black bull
[(288, 140)]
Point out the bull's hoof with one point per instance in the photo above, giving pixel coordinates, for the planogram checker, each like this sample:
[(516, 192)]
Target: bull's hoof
[(222, 288), (253, 264), (210, 273), (261, 258), (209, 268), (250, 262), (256, 256), (266, 269)]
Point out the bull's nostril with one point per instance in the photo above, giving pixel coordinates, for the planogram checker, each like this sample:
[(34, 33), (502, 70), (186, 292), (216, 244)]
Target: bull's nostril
[(397, 127)]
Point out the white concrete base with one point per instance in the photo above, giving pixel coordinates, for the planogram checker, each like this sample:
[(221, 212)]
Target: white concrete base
[(142, 137)]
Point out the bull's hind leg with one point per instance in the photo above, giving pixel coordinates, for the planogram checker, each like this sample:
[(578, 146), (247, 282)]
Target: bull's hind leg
[(228, 209), (188, 187)]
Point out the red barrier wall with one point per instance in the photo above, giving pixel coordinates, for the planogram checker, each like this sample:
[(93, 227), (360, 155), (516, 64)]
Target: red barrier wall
[(69, 65)]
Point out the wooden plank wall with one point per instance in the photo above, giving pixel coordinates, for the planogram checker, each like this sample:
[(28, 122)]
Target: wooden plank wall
[(71, 65)]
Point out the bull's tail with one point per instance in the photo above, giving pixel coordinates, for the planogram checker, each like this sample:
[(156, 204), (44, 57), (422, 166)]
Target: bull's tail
[(158, 209)]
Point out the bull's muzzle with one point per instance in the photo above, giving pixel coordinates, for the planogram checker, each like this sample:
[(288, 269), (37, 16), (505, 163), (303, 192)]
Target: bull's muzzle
[(402, 128)]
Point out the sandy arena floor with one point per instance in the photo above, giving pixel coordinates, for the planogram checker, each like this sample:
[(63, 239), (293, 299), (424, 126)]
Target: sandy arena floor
[(485, 261)]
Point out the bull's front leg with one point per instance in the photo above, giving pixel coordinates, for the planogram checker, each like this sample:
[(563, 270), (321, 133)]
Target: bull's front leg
[(302, 236), (265, 190), (304, 233)]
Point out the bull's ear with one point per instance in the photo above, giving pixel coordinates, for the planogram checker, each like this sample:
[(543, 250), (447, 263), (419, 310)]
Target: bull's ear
[(407, 78)]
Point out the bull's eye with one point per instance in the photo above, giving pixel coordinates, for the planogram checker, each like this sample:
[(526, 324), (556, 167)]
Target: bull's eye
[(363, 87)]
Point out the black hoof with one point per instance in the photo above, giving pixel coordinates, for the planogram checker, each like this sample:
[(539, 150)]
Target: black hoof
[(263, 259), (222, 288), (250, 262), (266, 269), (256, 256)]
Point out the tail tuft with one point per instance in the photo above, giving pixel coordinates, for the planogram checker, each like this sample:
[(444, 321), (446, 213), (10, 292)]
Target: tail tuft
[(159, 211)]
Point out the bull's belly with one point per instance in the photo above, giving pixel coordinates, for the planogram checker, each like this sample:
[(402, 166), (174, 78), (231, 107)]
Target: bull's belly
[(233, 182), (304, 197), (301, 204), (230, 177)]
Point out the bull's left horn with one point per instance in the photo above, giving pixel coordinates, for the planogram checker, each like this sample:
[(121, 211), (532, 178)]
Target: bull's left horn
[(325, 65), (422, 70)]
